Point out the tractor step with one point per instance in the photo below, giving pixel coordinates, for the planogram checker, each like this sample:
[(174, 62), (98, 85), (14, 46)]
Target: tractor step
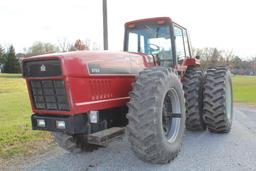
[(103, 137)]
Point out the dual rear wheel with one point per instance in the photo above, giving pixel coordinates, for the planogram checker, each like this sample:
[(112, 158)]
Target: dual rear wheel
[(218, 100), (209, 99)]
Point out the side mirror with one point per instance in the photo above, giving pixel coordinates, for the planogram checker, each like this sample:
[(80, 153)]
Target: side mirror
[(197, 57)]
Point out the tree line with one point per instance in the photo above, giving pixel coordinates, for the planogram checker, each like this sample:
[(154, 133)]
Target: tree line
[(9, 60), (210, 57)]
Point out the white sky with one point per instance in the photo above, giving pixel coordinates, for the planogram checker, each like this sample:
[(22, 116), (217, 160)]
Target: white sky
[(225, 24)]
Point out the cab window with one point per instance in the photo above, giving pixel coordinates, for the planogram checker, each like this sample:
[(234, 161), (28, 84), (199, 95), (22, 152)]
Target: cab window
[(152, 39), (185, 36), (179, 42)]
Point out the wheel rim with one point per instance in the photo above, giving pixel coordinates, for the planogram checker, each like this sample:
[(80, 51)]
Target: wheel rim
[(228, 101), (171, 115)]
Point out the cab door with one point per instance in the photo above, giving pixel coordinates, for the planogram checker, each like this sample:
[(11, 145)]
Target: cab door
[(181, 47)]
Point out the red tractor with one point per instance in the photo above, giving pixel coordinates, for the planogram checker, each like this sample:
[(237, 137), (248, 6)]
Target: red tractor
[(155, 88)]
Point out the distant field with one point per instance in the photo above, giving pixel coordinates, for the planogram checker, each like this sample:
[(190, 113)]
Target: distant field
[(244, 88), (16, 136)]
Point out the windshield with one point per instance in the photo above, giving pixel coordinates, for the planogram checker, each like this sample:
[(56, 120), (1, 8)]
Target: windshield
[(151, 39)]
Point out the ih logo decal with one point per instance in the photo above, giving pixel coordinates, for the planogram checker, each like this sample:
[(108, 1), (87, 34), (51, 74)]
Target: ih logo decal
[(43, 68)]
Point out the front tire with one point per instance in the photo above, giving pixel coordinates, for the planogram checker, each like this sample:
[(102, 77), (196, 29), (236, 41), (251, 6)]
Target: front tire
[(156, 115), (218, 100)]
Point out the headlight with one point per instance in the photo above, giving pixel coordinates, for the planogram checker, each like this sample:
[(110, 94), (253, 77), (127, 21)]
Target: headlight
[(60, 124), (93, 115), (41, 123)]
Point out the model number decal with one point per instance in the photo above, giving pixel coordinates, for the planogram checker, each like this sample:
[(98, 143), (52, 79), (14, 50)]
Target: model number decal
[(95, 70)]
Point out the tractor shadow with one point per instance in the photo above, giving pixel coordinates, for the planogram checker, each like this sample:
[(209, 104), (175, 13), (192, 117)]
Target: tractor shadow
[(197, 147)]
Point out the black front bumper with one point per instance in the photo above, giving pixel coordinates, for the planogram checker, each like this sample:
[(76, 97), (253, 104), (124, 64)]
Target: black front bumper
[(75, 124)]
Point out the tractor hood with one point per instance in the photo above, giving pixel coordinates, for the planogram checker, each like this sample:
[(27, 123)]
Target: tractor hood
[(84, 63)]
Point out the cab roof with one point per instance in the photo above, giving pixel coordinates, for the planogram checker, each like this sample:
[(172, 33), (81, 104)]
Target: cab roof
[(166, 19)]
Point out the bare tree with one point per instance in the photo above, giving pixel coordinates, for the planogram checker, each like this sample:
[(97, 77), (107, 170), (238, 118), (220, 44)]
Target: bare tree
[(39, 48), (64, 45), (95, 46), (80, 45), (214, 57)]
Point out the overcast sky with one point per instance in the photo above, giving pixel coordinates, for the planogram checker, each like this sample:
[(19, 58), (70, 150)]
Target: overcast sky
[(225, 24)]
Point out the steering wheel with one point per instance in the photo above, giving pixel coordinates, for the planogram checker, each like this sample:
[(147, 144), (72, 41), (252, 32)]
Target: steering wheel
[(154, 49)]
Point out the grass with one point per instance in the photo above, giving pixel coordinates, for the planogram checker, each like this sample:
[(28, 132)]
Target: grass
[(16, 136), (244, 88)]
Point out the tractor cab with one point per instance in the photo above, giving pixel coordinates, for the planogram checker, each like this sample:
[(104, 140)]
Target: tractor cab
[(163, 41)]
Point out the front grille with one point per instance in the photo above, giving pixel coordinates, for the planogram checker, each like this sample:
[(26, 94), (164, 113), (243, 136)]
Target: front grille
[(49, 95)]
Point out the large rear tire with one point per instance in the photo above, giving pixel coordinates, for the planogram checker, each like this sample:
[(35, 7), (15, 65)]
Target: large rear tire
[(156, 115), (218, 100), (193, 89), (73, 144)]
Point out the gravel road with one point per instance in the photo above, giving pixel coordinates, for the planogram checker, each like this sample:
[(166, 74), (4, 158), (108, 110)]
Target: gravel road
[(200, 151)]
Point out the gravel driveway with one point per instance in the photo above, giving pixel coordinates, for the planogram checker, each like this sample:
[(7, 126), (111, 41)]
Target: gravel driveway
[(200, 151)]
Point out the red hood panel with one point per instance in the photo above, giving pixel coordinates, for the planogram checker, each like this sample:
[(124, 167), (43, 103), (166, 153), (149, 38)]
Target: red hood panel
[(88, 63)]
